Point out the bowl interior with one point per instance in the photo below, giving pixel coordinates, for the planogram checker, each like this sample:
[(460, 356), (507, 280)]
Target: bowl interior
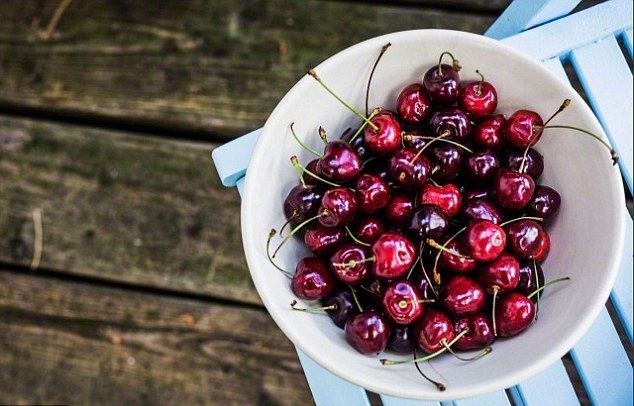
[(586, 234)]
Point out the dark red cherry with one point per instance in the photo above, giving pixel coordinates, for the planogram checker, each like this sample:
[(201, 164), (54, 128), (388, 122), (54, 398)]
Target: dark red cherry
[(533, 165), (484, 240), (358, 144), (501, 274), (322, 241), (545, 202), (513, 190), (514, 313), (348, 264), (367, 229), (447, 197), (373, 193), (344, 306), (387, 137), (339, 163), (524, 237), (542, 251), (338, 207), (409, 170), (523, 128), (413, 139), (479, 99), (481, 209), (432, 330), (448, 159), (488, 134), (452, 121), (530, 280), (301, 203), (480, 333), (422, 284), (394, 255), (482, 166), (312, 166), (312, 280), (412, 104), (368, 332), (402, 302), (400, 209), (462, 296), (442, 84), (401, 339), (429, 221), (455, 263)]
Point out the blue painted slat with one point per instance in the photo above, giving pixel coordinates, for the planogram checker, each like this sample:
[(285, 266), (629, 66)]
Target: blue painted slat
[(542, 389), (329, 389), (627, 39), (555, 66), (498, 398), (523, 14), (392, 401), (607, 80), (603, 365), (232, 158), (622, 292), (574, 31)]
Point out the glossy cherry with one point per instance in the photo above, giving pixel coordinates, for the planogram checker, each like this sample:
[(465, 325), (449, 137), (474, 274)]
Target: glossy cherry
[(524, 237), (447, 197), (479, 98), (513, 190), (373, 193), (387, 137), (402, 302), (523, 128), (394, 255), (501, 274), (480, 332), (451, 122), (484, 240), (413, 104), (533, 164), (322, 241), (301, 203), (357, 144), (401, 339), (313, 167), (513, 314), (482, 209), (413, 138), (455, 263), (400, 209), (424, 288), (542, 251), (348, 264), (338, 207), (367, 229), (489, 132), (448, 159), (531, 278), (312, 280), (340, 163), (408, 169), (462, 296), (442, 83), (545, 202), (482, 166), (368, 332), (429, 221), (344, 306), (432, 330)]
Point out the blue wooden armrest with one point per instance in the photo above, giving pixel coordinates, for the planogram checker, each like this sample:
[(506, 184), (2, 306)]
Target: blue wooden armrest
[(587, 39)]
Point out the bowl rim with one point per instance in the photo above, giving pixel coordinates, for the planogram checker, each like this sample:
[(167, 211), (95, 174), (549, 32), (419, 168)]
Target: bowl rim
[(251, 245)]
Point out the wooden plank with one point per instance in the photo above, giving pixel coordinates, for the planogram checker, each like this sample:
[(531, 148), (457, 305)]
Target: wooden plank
[(74, 343), (120, 207), (214, 66)]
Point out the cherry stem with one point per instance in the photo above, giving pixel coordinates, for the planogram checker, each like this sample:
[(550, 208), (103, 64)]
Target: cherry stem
[(496, 289), (306, 147), (312, 73), (476, 357), (294, 231), (376, 63), (412, 268), (303, 169), (521, 218), (454, 62), (561, 108), (536, 284), (356, 299), (355, 239), (536, 291), (312, 309), (403, 303), (322, 135), (430, 356), (614, 155), (434, 244), (443, 135), (438, 385), (524, 155), (295, 214), (362, 126), (422, 267), (409, 137), (268, 254), (479, 89), (434, 182), (435, 270), (352, 263)]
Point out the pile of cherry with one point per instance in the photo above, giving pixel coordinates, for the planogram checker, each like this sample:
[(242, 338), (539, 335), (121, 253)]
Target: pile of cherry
[(426, 224)]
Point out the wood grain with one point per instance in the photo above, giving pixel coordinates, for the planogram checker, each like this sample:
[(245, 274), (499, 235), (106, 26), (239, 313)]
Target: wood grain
[(217, 67), (69, 343), (120, 207)]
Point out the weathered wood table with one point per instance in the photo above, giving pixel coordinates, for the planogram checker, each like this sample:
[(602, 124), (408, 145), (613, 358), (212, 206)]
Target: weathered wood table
[(122, 277)]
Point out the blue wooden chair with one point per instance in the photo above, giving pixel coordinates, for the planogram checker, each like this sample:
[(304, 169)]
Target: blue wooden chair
[(589, 41)]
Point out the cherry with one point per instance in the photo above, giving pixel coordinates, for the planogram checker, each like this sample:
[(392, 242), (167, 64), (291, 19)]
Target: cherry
[(433, 329), (400, 209), (339, 163), (402, 302), (344, 306), (482, 166), (484, 240), (447, 197), (542, 251), (409, 169), (456, 263), (349, 264), (531, 278), (357, 143), (387, 137), (338, 207), (368, 229), (480, 332), (488, 134), (545, 202), (479, 99), (322, 241), (524, 237), (523, 128), (368, 332), (442, 82), (401, 339), (501, 274), (513, 314), (481, 209), (413, 105), (302, 203), (450, 122), (394, 255), (533, 164), (448, 159), (424, 287), (313, 167), (429, 221), (373, 193), (312, 279), (513, 190), (415, 139), (462, 296)]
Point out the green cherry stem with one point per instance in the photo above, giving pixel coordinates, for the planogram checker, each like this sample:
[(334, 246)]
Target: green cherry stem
[(536, 291), (295, 214), (438, 385), (613, 154), (410, 137), (454, 62), (476, 357), (356, 299), (362, 126), (536, 284), (294, 231), (412, 268), (352, 263), (312, 309), (434, 244), (306, 147), (355, 239), (479, 89), (434, 139), (376, 63), (430, 356), (496, 289), (521, 218), (268, 254), (303, 169), (435, 270)]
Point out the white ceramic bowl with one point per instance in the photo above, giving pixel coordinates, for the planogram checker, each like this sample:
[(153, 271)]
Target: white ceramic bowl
[(587, 235)]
